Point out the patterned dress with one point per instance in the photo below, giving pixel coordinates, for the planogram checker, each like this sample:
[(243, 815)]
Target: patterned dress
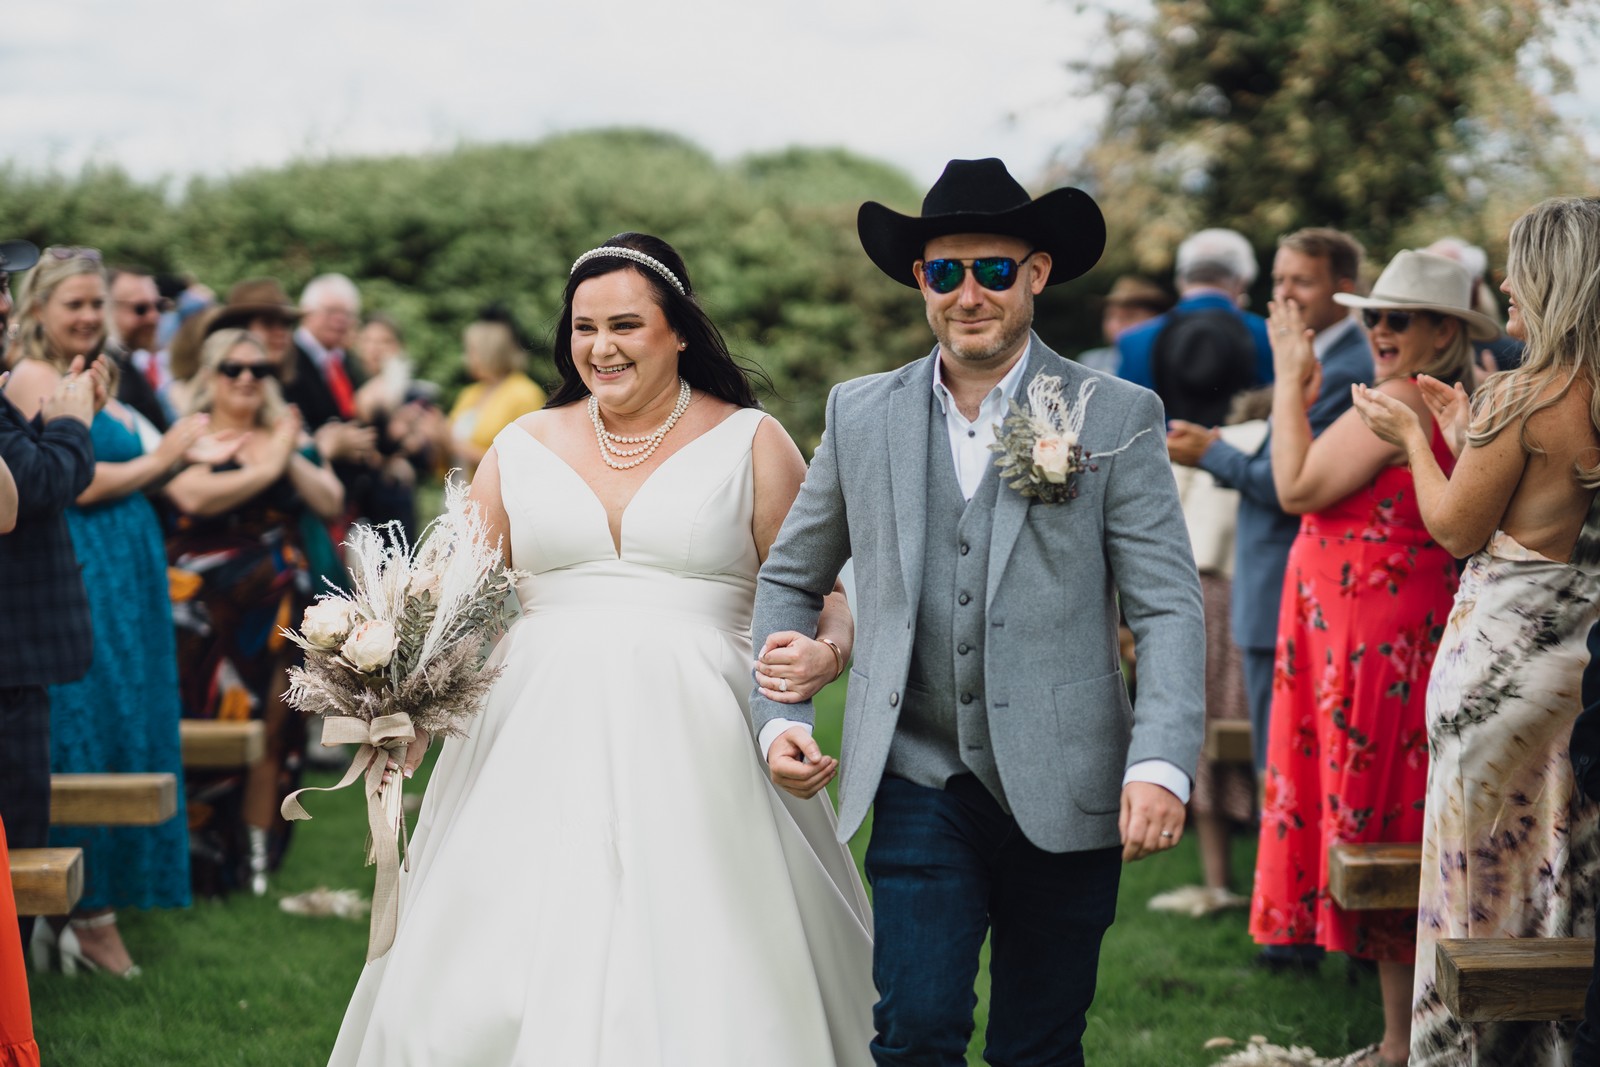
[(1510, 848), (122, 716), (1365, 600)]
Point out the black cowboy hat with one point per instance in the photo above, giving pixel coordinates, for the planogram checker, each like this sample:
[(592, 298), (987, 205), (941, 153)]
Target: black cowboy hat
[(17, 256), (981, 196)]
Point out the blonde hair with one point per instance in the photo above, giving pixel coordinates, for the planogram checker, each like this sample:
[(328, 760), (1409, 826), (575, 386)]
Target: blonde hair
[(55, 266), (1454, 363), (217, 348), (1553, 267), (497, 348)]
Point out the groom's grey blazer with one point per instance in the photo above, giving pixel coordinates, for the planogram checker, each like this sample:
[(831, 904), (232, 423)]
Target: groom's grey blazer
[(1060, 722)]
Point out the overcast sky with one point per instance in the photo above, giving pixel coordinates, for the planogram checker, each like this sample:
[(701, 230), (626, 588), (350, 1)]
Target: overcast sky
[(185, 86), (178, 87)]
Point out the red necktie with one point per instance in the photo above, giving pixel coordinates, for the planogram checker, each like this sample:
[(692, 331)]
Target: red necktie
[(339, 385), (152, 372)]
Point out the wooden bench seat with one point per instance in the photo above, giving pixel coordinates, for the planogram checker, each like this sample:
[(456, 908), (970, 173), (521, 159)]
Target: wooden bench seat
[(1374, 876), (112, 799), (1228, 741), (46, 881), (1488, 979), (211, 743)]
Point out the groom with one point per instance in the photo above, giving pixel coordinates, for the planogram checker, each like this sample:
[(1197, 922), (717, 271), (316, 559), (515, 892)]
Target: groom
[(987, 722)]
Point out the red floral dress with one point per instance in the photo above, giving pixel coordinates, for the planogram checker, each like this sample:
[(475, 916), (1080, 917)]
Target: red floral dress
[(1365, 600)]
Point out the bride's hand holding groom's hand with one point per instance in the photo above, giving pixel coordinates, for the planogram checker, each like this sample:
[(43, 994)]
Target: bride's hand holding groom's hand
[(793, 668)]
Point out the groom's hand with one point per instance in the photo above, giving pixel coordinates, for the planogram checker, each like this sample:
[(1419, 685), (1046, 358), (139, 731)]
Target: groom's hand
[(797, 765), (1151, 820)]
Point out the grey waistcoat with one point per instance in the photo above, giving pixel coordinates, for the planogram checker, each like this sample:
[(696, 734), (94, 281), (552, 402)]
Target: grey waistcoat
[(943, 729)]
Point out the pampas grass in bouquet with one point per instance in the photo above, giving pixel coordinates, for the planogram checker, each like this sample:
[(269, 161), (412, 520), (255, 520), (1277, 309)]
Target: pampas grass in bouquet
[(401, 656)]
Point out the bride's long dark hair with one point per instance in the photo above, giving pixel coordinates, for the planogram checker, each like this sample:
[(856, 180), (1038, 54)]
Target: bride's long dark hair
[(705, 362)]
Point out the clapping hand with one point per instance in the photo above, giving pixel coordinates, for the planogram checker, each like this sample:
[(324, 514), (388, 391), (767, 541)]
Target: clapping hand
[(214, 449), (1392, 420), (1294, 360), (181, 437), (1451, 409), (1188, 441), (285, 438), (75, 395)]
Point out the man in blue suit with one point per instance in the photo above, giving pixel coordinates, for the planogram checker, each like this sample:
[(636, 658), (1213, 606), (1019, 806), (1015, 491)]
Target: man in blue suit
[(1212, 271), (1311, 265)]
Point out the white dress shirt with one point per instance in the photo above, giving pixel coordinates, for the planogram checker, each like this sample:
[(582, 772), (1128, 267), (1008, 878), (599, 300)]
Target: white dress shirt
[(969, 449)]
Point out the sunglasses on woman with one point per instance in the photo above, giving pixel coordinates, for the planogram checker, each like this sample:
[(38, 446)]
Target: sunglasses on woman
[(259, 371), (995, 273), (1399, 321)]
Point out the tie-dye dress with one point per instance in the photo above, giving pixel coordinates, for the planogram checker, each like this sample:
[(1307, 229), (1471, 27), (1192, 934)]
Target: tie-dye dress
[(1510, 846)]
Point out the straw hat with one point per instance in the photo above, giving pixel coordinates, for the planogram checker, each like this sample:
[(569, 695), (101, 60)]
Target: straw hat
[(1422, 281)]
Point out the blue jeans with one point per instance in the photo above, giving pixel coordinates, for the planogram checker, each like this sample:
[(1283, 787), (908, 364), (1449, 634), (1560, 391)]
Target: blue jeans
[(948, 866)]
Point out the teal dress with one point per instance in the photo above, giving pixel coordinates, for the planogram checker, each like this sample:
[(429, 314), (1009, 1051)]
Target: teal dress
[(123, 715)]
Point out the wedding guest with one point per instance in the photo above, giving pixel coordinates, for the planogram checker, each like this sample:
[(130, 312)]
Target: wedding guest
[(122, 716), (1510, 847), (238, 538), (45, 628), (496, 356), (401, 409), (17, 1045), (324, 380), (15, 257), (711, 922), (1132, 300), (136, 307), (1310, 267), (1365, 597)]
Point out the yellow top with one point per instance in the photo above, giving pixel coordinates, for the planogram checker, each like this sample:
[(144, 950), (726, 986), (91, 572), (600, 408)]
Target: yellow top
[(482, 411)]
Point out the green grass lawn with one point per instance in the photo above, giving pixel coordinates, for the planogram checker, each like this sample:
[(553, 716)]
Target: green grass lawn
[(240, 982)]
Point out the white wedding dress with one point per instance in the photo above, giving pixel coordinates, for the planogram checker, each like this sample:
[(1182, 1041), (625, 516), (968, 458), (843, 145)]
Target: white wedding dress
[(602, 873)]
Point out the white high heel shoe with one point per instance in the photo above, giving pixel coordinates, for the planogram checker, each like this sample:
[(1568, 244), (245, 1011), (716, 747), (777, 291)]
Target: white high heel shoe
[(72, 956)]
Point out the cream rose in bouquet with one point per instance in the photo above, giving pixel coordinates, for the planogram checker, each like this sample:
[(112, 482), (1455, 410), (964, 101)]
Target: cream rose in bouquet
[(402, 656)]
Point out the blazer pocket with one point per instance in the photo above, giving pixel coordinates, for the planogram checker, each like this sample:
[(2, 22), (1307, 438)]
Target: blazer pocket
[(855, 706), (1094, 723)]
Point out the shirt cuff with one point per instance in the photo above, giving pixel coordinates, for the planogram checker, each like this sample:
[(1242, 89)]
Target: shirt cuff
[(1159, 772), (775, 727)]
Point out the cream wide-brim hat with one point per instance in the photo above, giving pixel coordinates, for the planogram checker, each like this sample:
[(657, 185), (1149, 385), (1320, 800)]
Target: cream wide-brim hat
[(1422, 281)]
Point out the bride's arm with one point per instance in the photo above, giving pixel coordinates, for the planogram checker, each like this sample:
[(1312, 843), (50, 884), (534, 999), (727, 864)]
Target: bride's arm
[(792, 667), (485, 494)]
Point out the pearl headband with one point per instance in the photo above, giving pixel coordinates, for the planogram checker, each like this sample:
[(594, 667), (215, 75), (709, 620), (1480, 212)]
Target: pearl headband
[(636, 256)]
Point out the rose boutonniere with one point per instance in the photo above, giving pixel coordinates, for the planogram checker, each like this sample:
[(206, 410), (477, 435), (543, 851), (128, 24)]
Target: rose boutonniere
[(1040, 446)]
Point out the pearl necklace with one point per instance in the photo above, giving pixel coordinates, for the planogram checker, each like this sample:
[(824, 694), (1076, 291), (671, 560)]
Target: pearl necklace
[(647, 444)]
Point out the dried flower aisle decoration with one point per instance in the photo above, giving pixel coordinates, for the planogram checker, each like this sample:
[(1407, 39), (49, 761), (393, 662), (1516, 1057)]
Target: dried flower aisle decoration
[(402, 654), (1040, 446)]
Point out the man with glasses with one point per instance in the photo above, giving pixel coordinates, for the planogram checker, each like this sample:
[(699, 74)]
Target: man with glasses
[(136, 307), (15, 256), (987, 721), (1310, 266)]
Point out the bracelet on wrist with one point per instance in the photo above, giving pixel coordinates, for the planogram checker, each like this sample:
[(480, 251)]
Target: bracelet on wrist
[(838, 656)]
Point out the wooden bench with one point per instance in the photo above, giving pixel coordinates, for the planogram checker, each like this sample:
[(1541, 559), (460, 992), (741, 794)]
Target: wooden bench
[(1489, 979), (112, 799), (46, 881), (1374, 876), (211, 743), (1228, 741)]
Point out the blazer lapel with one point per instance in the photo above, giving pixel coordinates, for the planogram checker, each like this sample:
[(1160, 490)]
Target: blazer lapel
[(908, 469), (1010, 506)]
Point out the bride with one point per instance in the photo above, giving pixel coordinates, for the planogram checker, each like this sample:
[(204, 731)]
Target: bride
[(602, 873)]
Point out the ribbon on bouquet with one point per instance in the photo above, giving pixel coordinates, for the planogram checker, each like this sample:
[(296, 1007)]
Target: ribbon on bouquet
[(384, 738)]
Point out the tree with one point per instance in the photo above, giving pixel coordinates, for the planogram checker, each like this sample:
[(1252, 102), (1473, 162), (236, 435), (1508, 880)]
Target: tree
[(1397, 120)]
